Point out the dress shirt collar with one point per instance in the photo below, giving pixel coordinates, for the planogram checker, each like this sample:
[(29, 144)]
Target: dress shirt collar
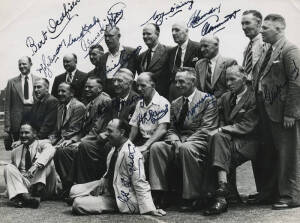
[(125, 98), (155, 100), (117, 54), (275, 45), (190, 98), (28, 75), (184, 45), (214, 59), (256, 38), (154, 48)]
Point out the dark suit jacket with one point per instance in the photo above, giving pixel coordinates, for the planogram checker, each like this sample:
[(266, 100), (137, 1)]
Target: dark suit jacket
[(219, 85), (94, 110), (14, 105), (78, 82), (128, 59), (201, 118), (280, 82), (71, 126), (192, 55), (43, 116), (240, 121), (159, 67)]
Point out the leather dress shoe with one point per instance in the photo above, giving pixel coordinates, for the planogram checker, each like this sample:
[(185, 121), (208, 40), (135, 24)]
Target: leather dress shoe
[(192, 205), (259, 200), (30, 202), (218, 207), (18, 203)]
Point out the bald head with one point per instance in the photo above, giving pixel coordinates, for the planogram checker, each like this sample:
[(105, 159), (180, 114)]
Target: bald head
[(209, 46), (150, 34), (25, 65), (180, 32), (70, 62)]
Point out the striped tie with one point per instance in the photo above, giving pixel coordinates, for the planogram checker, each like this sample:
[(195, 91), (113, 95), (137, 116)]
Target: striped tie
[(248, 59)]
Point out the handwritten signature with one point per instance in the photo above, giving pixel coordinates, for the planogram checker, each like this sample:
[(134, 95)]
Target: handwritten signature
[(192, 111), (114, 15), (205, 20), (159, 17), (153, 116), (53, 25), (124, 58)]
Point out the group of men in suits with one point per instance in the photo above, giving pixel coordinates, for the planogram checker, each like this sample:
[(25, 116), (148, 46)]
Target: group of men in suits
[(194, 117)]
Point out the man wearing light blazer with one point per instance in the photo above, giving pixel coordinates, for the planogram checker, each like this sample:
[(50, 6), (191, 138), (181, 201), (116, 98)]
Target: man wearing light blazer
[(123, 187), (211, 69), (18, 100)]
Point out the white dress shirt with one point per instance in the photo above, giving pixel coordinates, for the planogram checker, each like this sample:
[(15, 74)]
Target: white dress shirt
[(113, 63), (30, 89)]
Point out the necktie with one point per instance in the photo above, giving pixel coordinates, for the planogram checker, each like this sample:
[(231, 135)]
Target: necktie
[(248, 59), (111, 170), (69, 78), (183, 113), (64, 114), (28, 163), (26, 88), (233, 100), (148, 59), (178, 57), (266, 60), (209, 72)]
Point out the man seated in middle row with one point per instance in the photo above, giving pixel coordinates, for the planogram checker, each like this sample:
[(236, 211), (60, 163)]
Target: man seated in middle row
[(237, 140), (151, 116), (185, 145)]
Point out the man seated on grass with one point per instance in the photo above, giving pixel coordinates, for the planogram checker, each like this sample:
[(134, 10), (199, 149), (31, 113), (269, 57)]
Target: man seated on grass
[(123, 187), (31, 174)]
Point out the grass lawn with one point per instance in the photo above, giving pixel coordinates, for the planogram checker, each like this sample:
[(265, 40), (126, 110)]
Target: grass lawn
[(56, 212)]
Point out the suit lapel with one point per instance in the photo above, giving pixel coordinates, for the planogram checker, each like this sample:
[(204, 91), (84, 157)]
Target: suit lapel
[(59, 116), (18, 155), (33, 149), (120, 158), (75, 78), (274, 55), (156, 56), (188, 52), (203, 72), (218, 70), (18, 86), (69, 111), (239, 105)]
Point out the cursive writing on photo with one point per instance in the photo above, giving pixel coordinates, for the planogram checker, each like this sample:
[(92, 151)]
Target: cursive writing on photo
[(53, 25), (96, 26), (159, 17), (192, 110), (211, 20), (153, 116)]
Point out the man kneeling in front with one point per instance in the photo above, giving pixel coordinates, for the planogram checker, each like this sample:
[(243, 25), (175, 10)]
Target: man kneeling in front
[(123, 187), (31, 174)]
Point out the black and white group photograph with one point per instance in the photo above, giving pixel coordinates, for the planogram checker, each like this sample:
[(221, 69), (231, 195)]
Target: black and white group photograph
[(154, 111)]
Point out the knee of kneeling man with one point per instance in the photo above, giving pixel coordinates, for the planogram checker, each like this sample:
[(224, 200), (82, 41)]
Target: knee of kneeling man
[(75, 190)]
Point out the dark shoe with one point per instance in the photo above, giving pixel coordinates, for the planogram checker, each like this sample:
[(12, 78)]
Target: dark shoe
[(17, 202), (223, 190), (30, 202), (191, 205), (69, 201), (253, 196), (259, 200), (218, 207), (38, 190)]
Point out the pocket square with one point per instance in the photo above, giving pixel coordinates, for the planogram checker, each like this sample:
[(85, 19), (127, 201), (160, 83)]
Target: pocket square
[(242, 110), (276, 61), (195, 59)]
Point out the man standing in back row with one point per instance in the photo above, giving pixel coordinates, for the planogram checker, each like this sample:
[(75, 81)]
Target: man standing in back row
[(278, 88)]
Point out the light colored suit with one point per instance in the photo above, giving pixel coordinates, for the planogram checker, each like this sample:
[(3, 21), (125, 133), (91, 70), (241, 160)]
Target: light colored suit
[(14, 106), (279, 86), (41, 152), (218, 86), (202, 117), (132, 191)]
